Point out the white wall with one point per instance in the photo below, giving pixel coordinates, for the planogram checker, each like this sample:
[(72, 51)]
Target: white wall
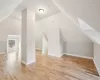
[(54, 46), (27, 37), (97, 56), (71, 33), (89, 31), (3, 47), (76, 41), (9, 26), (62, 43), (44, 45)]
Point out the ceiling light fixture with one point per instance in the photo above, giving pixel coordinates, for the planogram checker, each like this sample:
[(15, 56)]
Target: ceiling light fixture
[(41, 10)]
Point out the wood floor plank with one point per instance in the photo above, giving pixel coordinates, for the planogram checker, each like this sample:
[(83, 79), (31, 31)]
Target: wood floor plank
[(47, 68)]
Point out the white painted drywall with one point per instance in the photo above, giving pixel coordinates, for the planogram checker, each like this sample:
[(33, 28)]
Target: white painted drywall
[(77, 43), (97, 56), (89, 31), (27, 37), (62, 43), (3, 47), (44, 44), (87, 10), (7, 7), (71, 33), (54, 47), (8, 26)]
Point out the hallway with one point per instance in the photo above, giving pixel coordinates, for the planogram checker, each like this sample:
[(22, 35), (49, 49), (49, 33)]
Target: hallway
[(46, 68)]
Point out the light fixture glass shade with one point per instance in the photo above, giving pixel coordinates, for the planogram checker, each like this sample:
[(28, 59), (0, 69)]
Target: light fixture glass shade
[(41, 10)]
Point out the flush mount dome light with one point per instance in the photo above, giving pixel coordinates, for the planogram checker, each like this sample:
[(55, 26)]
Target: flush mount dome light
[(41, 10)]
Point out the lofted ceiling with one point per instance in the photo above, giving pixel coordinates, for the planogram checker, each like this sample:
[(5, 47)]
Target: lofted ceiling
[(34, 5), (75, 8), (84, 14), (87, 10), (7, 7)]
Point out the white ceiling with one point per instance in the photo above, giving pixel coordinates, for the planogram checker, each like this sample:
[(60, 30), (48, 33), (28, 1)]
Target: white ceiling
[(7, 7), (87, 11), (34, 5)]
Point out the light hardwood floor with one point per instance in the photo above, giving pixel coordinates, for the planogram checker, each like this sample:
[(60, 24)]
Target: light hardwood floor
[(47, 68)]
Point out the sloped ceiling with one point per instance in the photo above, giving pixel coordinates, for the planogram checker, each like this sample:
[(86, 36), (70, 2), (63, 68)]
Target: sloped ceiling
[(50, 9), (87, 10), (7, 7), (34, 5)]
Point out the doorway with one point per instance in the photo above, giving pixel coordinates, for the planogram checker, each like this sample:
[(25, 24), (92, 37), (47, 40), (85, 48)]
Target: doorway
[(13, 43)]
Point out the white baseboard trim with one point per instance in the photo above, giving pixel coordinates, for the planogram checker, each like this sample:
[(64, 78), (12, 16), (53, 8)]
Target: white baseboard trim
[(78, 56), (98, 69), (38, 49), (27, 63), (55, 55)]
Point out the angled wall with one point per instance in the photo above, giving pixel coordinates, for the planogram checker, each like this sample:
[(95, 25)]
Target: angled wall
[(86, 13), (87, 10), (97, 56), (71, 33), (62, 43), (7, 7), (77, 43), (54, 47), (44, 44)]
